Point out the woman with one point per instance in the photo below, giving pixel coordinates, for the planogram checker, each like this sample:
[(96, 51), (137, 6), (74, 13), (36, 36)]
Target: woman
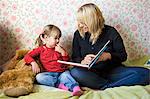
[(108, 72)]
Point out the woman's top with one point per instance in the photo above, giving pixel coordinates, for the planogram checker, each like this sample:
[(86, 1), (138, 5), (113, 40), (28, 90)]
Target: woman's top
[(82, 46)]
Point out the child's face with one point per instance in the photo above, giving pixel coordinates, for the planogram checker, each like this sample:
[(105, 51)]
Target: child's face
[(52, 41)]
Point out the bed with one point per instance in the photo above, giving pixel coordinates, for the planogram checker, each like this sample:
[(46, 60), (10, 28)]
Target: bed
[(123, 92)]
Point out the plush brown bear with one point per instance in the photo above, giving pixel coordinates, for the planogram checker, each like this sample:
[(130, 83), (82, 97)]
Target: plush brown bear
[(16, 77)]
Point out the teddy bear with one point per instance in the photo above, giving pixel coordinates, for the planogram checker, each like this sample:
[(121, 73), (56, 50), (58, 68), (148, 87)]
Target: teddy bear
[(16, 77)]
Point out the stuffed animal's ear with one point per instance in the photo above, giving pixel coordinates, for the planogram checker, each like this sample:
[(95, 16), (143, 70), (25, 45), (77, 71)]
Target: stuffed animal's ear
[(12, 62), (9, 64), (20, 54), (1, 70)]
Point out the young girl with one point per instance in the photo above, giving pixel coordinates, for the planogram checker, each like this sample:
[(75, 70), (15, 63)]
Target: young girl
[(49, 51)]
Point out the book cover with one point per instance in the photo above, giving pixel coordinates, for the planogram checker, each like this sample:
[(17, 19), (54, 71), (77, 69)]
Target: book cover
[(92, 62)]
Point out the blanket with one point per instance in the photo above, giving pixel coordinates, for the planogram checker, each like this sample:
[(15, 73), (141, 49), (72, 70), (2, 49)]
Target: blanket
[(123, 92)]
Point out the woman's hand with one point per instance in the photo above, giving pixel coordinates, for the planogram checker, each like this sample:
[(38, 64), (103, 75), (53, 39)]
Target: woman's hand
[(35, 67), (87, 59), (59, 49), (105, 56)]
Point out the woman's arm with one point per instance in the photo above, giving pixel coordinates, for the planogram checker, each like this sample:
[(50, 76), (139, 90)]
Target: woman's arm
[(118, 54)]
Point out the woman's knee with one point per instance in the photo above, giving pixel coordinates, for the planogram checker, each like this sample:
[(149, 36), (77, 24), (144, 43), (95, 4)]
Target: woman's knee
[(76, 72), (142, 74), (79, 73), (141, 71)]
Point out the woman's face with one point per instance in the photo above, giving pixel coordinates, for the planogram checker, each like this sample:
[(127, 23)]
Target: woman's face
[(82, 26)]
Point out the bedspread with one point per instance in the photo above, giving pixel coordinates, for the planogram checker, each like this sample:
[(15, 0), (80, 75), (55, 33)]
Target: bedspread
[(123, 92)]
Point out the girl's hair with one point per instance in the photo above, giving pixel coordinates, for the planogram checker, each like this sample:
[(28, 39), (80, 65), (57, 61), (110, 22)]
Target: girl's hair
[(91, 15), (49, 30)]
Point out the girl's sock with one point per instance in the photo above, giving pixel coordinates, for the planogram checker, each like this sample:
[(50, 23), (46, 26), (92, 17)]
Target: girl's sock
[(77, 91), (62, 86)]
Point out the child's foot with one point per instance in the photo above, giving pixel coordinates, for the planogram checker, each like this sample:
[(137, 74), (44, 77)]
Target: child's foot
[(77, 91), (62, 86)]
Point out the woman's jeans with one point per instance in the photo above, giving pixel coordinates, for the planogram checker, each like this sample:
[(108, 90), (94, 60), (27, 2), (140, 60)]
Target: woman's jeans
[(55, 78), (120, 76)]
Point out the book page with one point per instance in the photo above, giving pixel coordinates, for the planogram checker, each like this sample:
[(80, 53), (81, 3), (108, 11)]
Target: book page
[(72, 63), (92, 62), (99, 54)]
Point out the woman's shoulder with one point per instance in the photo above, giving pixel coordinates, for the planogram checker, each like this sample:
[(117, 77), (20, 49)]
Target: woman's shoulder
[(110, 30), (77, 34), (108, 27)]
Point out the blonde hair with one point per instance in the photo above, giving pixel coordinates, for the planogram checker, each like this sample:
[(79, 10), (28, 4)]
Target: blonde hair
[(91, 15), (49, 30)]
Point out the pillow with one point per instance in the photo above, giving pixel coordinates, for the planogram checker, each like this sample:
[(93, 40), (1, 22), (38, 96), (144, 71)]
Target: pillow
[(147, 63), (138, 62)]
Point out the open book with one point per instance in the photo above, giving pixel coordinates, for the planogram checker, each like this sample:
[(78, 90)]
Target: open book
[(94, 60)]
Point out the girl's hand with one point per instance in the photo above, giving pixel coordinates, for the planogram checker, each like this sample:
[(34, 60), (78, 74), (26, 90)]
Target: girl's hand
[(105, 56), (59, 49), (35, 67), (87, 59)]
